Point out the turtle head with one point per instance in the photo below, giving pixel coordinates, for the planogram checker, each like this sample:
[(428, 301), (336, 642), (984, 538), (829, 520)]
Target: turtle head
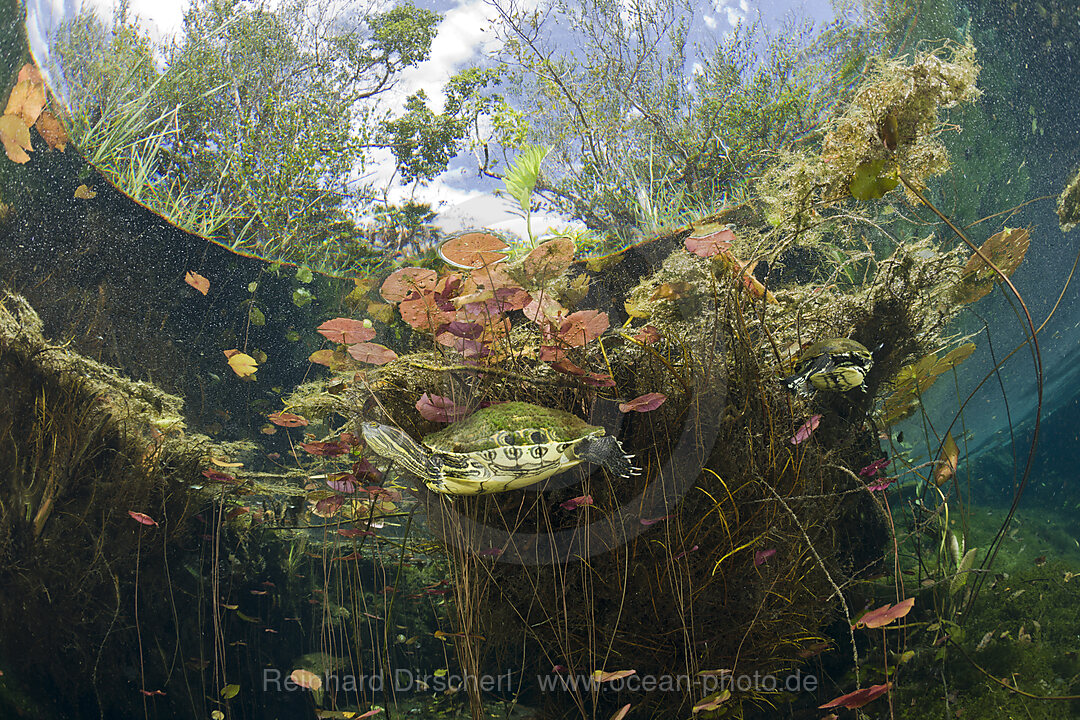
[(605, 450), (393, 444)]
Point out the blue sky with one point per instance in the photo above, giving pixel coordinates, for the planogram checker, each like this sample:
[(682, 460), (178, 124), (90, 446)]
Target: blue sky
[(465, 36)]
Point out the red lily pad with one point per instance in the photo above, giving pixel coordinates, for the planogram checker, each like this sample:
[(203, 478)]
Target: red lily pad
[(583, 326), (142, 518), (437, 408), (885, 614), (473, 250), (858, 698), (577, 502), (346, 331), (324, 449), (805, 430), (405, 280), (425, 312), (372, 353), (707, 246), (284, 419), (549, 260), (643, 403)]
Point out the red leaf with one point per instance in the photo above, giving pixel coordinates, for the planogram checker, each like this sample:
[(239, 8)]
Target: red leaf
[(342, 483), (401, 282), (805, 430), (472, 250), (220, 477), (142, 518), (885, 483), (424, 312), (643, 403), (346, 331), (648, 335), (583, 326), (324, 449), (372, 353), (437, 408), (622, 712), (197, 281), (858, 698), (885, 614), (284, 419), (569, 368), (652, 521), (712, 244), (874, 468), (544, 309), (761, 556), (577, 502)]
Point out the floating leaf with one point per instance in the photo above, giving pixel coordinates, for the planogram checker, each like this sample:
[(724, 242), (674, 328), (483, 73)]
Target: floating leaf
[(437, 408), (1006, 250), (16, 138), (425, 312), (219, 477), (805, 430), (142, 518), (548, 260), (346, 331), (405, 280), (52, 131), (372, 353), (874, 468), (83, 192), (284, 419), (947, 462), (885, 614), (27, 100), (713, 701), (306, 679), (707, 246), (648, 335), (230, 691), (858, 698), (322, 357), (577, 502), (301, 297), (601, 676), (622, 712), (873, 179), (304, 274), (672, 290), (241, 363), (643, 403), (473, 250), (583, 326), (191, 277), (324, 449)]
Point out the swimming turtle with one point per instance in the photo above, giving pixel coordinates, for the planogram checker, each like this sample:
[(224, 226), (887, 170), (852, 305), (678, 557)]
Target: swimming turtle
[(833, 364), (502, 447)]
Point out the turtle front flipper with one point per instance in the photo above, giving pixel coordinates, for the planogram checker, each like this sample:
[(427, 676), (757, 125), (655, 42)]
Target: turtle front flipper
[(605, 450), (395, 445)]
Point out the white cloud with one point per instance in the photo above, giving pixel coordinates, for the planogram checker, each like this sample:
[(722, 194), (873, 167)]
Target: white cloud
[(463, 33), (710, 21)]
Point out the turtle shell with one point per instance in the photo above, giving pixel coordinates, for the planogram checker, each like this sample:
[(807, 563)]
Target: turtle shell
[(835, 364), (508, 424)]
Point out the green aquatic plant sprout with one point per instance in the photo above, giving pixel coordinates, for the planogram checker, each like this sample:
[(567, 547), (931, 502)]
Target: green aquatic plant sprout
[(521, 179)]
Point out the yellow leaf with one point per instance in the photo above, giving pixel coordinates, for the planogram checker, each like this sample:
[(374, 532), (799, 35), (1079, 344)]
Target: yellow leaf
[(225, 464), (52, 131), (26, 101), (193, 279), (306, 679), (230, 691), (15, 135), (242, 364), (947, 461), (83, 192)]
